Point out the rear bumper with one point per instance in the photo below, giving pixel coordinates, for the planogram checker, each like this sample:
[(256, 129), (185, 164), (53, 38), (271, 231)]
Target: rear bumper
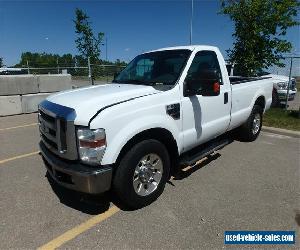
[(76, 176)]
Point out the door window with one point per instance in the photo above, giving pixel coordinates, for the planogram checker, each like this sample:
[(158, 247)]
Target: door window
[(203, 60)]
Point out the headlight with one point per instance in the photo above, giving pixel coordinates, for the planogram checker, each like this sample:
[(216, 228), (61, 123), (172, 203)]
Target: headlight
[(91, 145), (282, 85)]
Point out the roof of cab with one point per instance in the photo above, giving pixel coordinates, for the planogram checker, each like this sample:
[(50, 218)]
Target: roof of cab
[(189, 47)]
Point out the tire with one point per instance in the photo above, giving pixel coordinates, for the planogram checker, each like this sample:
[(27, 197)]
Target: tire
[(275, 99), (132, 181), (250, 130)]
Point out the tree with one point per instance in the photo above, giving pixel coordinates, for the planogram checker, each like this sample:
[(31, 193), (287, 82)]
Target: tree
[(260, 29), (86, 42), (38, 60), (1, 62), (118, 62)]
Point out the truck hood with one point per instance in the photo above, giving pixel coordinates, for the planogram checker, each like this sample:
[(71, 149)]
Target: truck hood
[(279, 78), (88, 101)]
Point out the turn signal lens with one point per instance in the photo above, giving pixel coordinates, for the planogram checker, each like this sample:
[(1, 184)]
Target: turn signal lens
[(92, 144)]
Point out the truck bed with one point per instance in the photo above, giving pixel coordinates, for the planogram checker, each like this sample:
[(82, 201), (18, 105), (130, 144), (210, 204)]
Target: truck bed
[(242, 79)]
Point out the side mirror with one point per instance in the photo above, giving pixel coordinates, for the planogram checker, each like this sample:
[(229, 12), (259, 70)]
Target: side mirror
[(205, 83)]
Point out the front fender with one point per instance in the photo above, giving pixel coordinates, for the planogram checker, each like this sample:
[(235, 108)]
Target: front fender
[(117, 139)]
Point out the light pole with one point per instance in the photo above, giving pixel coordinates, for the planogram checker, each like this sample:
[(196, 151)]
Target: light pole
[(191, 22), (289, 84)]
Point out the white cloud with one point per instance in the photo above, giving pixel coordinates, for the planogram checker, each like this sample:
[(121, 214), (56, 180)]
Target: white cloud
[(127, 49)]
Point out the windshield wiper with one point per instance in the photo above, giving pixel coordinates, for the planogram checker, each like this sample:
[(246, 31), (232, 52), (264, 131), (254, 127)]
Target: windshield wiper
[(131, 81), (138, 82), (134, 81)]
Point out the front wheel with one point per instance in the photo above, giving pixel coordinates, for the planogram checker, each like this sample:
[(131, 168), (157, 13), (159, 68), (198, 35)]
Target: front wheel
[(250, 130), (142, 174)]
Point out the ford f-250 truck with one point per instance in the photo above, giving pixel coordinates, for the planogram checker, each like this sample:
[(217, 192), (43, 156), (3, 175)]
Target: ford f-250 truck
[(167, 106)]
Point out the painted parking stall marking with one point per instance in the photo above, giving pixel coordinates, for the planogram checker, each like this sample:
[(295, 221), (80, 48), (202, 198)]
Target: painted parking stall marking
[(74, 232), (18, 157), (21, 126)]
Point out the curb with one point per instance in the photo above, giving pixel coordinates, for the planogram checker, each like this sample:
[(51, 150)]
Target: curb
[(281, 131)]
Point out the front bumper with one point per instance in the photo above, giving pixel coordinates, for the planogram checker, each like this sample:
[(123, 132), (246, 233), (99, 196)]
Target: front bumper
[(282, 95), (76, 176)]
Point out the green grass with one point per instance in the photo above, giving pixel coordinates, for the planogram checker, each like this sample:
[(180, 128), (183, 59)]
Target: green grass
[(280, 118)]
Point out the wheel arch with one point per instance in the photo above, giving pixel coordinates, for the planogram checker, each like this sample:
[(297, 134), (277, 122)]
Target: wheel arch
[(260, 101), (160, 134)]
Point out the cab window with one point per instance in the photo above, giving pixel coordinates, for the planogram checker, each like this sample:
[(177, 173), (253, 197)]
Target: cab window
[(203, 60)]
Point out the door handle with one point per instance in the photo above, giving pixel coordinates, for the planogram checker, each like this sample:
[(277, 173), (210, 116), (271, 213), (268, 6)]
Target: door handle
[(225, 97)]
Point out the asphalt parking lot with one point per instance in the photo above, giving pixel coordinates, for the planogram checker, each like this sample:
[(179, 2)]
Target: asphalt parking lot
[(245, 186)]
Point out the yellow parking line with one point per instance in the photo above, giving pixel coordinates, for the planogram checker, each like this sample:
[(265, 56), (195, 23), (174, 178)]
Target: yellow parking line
[(74, 232), (22, 126), (18, 157)]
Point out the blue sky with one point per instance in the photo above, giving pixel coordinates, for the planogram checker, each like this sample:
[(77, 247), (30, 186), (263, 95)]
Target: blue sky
[(131, 26)]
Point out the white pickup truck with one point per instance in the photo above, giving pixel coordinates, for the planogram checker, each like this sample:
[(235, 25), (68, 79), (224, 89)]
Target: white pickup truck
[(167, 107), (280, 88)]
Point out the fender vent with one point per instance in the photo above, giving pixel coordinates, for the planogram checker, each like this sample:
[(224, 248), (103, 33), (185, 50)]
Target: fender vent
[(173, 110)]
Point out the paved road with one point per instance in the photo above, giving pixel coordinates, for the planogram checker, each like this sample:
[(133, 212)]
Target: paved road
[(246, 186), (295, 104)]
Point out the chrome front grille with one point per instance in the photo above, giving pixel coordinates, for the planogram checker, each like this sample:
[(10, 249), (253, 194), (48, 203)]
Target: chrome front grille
[(57, 130), (48, 129)]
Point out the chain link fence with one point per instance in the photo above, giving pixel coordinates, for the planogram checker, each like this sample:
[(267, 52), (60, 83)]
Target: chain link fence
[(81, 75), (291, 64), (104, 73)]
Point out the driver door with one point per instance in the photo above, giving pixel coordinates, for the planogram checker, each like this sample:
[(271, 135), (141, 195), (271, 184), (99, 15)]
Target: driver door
[(204, 117)]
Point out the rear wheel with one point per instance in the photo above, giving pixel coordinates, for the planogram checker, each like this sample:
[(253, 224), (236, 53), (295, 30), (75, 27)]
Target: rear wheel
[(142, 174), (250, 130)]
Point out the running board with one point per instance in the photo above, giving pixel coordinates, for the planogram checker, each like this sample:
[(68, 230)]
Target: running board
[(196, 154)]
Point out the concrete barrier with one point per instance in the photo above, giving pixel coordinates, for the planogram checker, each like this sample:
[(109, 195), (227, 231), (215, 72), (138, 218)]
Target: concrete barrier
[(30, 102), (18, 85), (22, 93), (10, 105), (54, 83)]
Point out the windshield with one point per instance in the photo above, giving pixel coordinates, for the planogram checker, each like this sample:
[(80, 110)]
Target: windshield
[(154, 68)]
